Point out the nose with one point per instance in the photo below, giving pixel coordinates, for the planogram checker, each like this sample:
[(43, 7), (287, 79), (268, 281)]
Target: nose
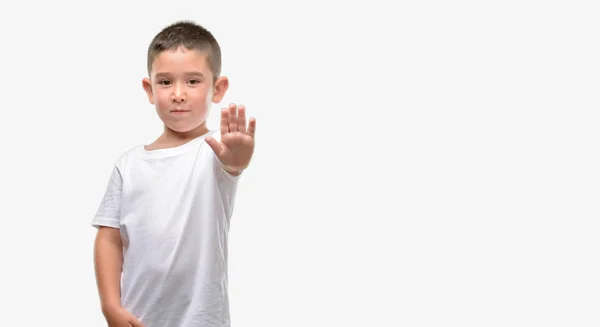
[(178, 93)]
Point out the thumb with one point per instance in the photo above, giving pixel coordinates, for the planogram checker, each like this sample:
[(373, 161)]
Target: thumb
[(214, 145), (134, 322)]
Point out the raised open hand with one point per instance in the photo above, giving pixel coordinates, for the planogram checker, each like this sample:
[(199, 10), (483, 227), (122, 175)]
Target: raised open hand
[(237, 141)]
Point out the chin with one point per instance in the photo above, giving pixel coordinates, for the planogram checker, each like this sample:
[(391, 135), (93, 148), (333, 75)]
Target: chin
[(183, 128)]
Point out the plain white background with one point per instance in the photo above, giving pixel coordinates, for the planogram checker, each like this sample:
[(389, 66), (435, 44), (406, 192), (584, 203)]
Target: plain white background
[(425, 163)]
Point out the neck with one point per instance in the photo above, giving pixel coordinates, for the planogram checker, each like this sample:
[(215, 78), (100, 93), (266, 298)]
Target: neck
[(174, 138)]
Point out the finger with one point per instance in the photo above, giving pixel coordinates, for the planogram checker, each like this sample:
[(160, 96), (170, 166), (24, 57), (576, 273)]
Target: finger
[(242, 119), (134, 322), (214, 145), (232, 118), (224, 121), (252, 126)]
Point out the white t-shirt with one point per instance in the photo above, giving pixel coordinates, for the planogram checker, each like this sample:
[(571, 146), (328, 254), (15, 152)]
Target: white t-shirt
[(173, 207)]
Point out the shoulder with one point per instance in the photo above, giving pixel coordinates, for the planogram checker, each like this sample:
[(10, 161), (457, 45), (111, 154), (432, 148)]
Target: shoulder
[(126, 156)]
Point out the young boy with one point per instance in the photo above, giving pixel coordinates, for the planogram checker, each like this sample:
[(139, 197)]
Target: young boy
[(161, 247)]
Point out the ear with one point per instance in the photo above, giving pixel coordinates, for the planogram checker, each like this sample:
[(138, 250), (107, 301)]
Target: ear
[(147, 85), (221, 86)]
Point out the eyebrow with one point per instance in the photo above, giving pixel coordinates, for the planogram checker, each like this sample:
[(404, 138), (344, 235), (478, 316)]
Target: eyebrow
[(163, 74)]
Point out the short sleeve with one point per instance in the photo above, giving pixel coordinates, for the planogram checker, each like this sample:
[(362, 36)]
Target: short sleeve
[(108, 213)]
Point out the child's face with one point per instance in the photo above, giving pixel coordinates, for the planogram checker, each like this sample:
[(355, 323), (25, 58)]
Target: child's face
[(182, 90)]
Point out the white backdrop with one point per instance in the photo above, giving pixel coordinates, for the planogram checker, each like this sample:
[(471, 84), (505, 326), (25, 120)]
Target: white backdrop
[(429, 164)]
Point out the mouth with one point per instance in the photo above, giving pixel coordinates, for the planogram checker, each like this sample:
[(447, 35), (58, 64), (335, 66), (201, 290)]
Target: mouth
[(179, 111)]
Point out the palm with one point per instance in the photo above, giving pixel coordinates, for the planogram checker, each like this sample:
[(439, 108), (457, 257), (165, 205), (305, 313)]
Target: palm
[(237, 140)]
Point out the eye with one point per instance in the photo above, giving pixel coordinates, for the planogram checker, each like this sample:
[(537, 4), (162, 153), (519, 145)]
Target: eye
[(164, 82), (194, 81)]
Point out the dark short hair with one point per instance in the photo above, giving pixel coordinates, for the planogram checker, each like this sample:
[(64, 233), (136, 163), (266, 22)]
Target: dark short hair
[(191, 36)]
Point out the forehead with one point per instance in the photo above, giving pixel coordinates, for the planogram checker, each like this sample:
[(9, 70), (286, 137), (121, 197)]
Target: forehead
[(180, 60)]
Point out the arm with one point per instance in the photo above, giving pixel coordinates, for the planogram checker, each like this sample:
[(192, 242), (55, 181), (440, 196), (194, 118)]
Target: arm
[(108, 260), (108, 256), (231, 172)]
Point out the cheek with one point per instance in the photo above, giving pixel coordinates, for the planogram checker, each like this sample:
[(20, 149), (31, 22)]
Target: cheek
[(208, 99), (161, 98), (202, 97), (208, 96)]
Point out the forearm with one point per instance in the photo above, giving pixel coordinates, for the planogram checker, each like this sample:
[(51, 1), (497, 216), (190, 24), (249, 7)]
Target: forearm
[(108, 259), (232, 172)]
